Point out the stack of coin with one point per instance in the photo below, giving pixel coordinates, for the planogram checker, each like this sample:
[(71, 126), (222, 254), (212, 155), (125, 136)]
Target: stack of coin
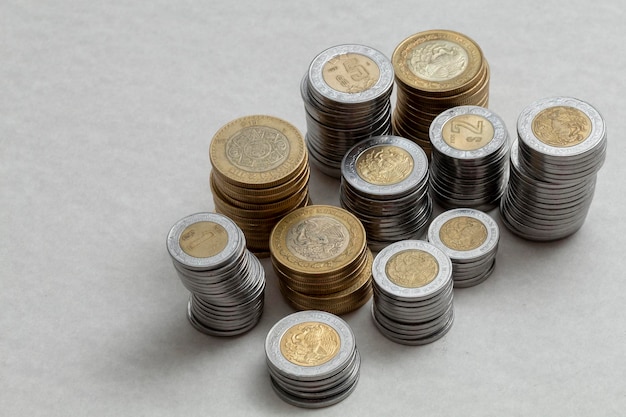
[(260, 173), (470, 238), (436, 70), (384, 182), (321, 259), (470, 158), (312, 359), (346, 96), (561, 147), (412, 292), (226, 281)]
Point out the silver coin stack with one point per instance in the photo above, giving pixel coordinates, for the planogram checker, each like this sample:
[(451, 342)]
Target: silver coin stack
[(470, 157), (384, 182), (226, 281), (412, 292), (561, 146), (470, 238), (346, 95), (312, 359)]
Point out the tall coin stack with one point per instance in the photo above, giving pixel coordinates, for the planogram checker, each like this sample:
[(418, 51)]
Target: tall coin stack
[(561, 147), (470, 238), (470, 158), (312, 359), (260, 173), (384, 182), (321, 259), (412, 292), (226, 281), (346, 97), (436, 70)]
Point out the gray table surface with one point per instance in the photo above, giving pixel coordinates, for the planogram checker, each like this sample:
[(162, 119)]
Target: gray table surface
[(106, 114)]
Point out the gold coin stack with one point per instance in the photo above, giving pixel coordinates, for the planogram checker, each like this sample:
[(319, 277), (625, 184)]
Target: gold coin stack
[(260, 173), (321, 259), (434, 71)]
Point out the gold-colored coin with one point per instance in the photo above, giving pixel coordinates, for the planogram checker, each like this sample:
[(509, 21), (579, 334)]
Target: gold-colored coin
[(463, 233), (350, 73), (384, 165), (467, 132), (203, 239), (561, 126), (310, 343), (412, 268)]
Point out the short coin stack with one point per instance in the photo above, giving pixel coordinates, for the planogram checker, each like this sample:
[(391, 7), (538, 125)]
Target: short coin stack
[(561, 147), (346, 97), (470, 158), (436, 70), (384, 182), (412, 292), (260, 173), (312, 359), (321, 259), (470, 238), (226, 281)]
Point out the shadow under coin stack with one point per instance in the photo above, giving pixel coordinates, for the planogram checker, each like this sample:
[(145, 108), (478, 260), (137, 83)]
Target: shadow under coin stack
[(412, 292), (260, 173), (470, 158), (436, 70), (561, 147), (470, 238), (312, 359), (384, 182), (346, 96), (321, 259), (226, 281)]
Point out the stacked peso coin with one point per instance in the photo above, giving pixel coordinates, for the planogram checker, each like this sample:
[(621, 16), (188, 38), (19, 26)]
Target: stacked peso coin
[(561, 147), (312, 359), (260, 173), (321, 259), (346, 97), (226, 281), (470, 158), (470, 238), (384, 182), (412, 292), (436, 70)]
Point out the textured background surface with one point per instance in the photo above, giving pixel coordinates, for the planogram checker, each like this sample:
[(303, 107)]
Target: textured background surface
[(106, 114)]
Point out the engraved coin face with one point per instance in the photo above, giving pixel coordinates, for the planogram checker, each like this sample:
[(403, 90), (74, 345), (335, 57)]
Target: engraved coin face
[(310, 343), (384, 165), (463, 233), (561, 126), (317, 238), (412, 268), (467, 132), (438, 60), (257, 148), (350, 73), (203, 239)]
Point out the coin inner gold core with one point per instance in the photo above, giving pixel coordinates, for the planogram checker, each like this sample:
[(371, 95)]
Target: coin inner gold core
[(257, 148), (463, 233), (318, 238), (384, 165), (412, 268), (467, 132), (203, 239), (437, 60), (310, 343), (350, 73), (561, 126)]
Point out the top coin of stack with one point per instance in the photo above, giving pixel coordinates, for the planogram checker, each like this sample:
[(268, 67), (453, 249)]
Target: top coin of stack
[(436, 70), (260, 173)]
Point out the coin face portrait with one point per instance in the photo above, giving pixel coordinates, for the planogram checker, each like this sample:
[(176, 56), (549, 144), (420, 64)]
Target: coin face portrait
[(412, 268), (561, 126), (257, 148), (317, 238), (463, 233), (350, 73), (437, 60), (310, 344), (384, 165), (467, 132), (203, 239)]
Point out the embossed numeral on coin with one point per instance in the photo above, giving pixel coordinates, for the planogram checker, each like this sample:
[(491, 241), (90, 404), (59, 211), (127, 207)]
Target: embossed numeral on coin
[(456, 125)]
